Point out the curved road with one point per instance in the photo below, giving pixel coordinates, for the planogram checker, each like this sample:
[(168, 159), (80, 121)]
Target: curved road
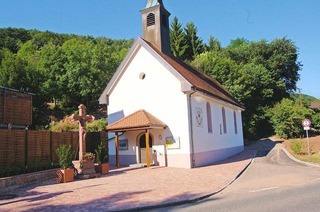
[(272, 182)]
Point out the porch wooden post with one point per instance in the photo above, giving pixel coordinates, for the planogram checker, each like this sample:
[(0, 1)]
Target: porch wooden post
[(117, 150), (147, 147)]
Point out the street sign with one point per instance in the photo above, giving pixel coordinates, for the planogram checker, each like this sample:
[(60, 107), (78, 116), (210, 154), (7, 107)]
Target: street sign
[(306, 128), (306, 123)]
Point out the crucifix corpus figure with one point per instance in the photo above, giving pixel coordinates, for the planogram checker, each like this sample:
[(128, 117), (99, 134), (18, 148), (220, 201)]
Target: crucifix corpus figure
[(82, 118)]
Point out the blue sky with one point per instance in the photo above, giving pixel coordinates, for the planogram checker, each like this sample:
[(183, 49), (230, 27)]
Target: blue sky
[(253, 20)]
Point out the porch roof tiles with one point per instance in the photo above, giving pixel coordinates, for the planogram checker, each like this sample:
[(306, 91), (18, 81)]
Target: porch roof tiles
[(139, 120)]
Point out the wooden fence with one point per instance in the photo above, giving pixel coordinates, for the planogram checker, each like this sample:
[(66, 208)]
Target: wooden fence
[(27, 148), (15, 107)]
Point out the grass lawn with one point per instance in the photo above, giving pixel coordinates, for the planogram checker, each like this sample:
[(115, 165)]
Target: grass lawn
[(299, 149)]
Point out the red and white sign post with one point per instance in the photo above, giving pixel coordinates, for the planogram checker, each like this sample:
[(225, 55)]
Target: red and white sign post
[(306, 123)]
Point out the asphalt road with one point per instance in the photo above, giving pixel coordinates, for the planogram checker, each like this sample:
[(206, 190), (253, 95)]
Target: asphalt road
[(273, 182)]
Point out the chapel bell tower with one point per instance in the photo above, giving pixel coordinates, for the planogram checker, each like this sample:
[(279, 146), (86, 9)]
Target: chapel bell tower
[(155, 25)]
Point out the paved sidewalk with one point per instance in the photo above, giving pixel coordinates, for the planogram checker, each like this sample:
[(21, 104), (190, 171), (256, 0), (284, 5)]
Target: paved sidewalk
[(125, 188)]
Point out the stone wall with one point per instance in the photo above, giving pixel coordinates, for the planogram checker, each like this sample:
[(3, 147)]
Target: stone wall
[(8, 184)]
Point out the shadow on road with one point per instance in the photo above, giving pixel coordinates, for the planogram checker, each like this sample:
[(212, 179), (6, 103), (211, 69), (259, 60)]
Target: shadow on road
[(263, 146)]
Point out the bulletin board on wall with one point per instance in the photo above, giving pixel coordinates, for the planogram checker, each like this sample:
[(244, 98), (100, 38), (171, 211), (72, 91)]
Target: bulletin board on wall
[(173, 142)]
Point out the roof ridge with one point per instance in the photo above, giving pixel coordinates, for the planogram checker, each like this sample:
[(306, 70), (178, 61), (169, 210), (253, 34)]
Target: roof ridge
[(201, 81), (145, 116), (139, 119)]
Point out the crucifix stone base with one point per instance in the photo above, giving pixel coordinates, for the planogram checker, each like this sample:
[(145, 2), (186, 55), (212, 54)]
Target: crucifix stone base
[(85, 169)]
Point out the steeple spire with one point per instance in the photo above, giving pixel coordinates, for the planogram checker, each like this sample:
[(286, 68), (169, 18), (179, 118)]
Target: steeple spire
[(152, 3), (155, 25)]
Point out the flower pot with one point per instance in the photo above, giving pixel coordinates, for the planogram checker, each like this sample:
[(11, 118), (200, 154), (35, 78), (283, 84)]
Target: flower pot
[(65, 175), (102, 168)]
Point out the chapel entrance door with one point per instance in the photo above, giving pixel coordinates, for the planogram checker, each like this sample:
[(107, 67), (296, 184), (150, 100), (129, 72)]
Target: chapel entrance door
[(143, 150)]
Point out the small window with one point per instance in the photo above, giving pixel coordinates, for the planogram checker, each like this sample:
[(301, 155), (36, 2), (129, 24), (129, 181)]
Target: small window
[(151, 20), (209, 118), (142, 76), (235, 122), (224, 121)]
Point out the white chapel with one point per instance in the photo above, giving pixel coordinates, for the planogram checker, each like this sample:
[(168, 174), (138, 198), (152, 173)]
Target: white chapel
[(163, 112)]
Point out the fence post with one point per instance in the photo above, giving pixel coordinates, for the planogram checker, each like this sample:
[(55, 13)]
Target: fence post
[(51, 149), (26, 149), (71, 141)]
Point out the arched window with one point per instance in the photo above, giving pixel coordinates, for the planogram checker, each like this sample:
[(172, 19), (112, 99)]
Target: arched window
[(151, 20), (224, 121), (235, 122), (209, 118)]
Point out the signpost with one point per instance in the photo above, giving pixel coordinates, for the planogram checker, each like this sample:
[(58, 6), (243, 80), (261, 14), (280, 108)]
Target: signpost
[(306, 123)]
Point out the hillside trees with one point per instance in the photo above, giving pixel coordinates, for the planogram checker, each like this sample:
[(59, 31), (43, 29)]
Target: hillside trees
[(71, 69), (259, 74), (65, 69)]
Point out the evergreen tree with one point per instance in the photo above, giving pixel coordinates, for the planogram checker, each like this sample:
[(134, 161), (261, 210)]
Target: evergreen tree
[(194, 43), (177, 39), (214, 44)]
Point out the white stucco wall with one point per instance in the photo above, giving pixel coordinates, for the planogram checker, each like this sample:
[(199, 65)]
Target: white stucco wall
[(216, 145), (160, 94)]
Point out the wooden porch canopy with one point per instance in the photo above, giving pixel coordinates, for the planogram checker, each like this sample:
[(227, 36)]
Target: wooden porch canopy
[(140, 120)]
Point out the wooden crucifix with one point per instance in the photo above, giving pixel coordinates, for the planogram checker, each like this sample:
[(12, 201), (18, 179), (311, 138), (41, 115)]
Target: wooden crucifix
[(82, 118)]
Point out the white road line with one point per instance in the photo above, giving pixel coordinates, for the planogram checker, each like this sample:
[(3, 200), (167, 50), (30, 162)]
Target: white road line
[(264, 189)]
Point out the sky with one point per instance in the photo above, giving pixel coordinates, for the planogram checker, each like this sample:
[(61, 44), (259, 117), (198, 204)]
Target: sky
[(297, 20)]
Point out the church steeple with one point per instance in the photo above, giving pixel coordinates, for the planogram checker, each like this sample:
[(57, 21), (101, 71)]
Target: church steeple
[(155, 25)]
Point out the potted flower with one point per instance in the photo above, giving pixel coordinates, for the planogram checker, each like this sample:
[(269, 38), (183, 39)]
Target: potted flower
[(102, 159), (88, 156), (87, 163), (66, 172)]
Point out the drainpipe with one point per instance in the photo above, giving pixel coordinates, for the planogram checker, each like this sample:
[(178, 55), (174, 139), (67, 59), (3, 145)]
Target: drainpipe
[(193, 164)]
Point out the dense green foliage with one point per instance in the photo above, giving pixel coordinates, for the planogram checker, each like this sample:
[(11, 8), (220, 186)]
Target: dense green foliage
[(286, 118), (178, 43), (185, 43), (258, 73), (70, 69), (64, 69)]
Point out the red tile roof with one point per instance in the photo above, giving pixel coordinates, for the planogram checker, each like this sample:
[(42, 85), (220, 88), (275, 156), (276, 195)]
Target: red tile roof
[(136, 121), (200, 81)]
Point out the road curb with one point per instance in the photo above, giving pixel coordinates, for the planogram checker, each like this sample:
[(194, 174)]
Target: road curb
[(297, 160)]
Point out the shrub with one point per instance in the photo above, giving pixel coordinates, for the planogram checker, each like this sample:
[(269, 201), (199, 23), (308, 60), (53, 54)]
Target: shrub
[(64, 125), (286, 118), (65, 156), (97, 125), (296, 147), (67, 125), (102, 153)]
